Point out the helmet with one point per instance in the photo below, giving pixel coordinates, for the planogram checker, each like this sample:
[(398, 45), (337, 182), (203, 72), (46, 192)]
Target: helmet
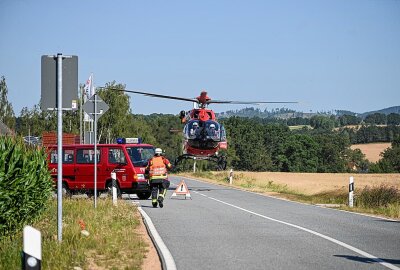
[(195, 124), (212, 126), (158, 151)]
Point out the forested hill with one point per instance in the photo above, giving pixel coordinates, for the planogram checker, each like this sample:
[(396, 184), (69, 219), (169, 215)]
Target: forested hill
[(387, 111), (281, 113), (284, 113)]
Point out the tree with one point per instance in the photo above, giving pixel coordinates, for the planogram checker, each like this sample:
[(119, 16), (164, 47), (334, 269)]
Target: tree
[(160, 127), (393, 119), (332, 156), (245, 136), (347, 119), (300, 154), (390, 162), (115, 122), (376, 118), (275, 136), (6, 110), (35, 121), (322, 122)]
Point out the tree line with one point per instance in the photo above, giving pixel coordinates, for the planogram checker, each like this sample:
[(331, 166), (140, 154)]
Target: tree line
[(254, 144)]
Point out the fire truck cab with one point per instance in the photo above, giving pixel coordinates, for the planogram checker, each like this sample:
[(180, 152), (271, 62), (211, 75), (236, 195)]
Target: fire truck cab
[(127, 158)]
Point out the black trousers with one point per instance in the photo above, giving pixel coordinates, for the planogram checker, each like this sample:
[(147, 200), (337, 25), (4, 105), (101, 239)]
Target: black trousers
[(158, 187)]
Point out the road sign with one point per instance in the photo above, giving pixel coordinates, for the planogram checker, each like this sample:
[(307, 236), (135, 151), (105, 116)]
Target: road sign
[(182, 189), (69, 82), (102, 107)]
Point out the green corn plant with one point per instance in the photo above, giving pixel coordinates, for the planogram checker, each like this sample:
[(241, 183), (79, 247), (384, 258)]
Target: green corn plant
[(25, 184)]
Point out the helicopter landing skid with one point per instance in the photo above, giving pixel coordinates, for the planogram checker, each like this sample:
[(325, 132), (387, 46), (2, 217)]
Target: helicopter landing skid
[(220, 160)]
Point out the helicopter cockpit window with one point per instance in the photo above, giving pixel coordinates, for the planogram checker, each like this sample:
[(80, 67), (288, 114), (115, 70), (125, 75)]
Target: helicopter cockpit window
[(193, 129), (213, 130)]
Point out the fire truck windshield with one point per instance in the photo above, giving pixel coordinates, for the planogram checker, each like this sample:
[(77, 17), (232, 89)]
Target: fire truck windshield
[(139, 155)]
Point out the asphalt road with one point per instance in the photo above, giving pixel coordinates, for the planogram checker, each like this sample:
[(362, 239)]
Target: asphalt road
[(224, 228)]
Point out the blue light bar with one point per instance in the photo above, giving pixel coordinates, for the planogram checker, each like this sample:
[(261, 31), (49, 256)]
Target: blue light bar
[(129, 140)]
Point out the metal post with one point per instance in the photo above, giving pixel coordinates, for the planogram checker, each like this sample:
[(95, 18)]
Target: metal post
[(95, 150), (231, 177), (114, 188), (80, 115), (351, 192), (194, 165), (59, 146)]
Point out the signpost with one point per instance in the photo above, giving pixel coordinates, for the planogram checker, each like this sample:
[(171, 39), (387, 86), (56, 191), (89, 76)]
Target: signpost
[(95, 107), (54, 97)]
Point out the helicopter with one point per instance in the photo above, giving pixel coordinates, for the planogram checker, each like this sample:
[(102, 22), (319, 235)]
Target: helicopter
[(203, 135)]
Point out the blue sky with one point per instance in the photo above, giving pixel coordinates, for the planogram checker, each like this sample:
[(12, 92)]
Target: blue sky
[(327, 54)]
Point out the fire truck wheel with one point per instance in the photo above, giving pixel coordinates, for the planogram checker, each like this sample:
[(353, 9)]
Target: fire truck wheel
[(109, 190), (143, 195), (65, 191)]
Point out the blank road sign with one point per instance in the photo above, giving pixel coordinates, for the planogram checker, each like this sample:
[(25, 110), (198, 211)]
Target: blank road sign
[(69, 83), (102, 107)]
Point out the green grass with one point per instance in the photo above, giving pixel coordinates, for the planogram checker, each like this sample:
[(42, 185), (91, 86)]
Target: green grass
[(380, 200), (112, 243)]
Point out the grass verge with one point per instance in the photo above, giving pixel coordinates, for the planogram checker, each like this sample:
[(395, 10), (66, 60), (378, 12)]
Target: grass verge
[(112, 242), (380, 200)]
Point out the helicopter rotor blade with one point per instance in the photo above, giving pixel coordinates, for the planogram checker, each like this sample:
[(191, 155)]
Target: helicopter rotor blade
[(155, 95), (247, 102), (196, 100)]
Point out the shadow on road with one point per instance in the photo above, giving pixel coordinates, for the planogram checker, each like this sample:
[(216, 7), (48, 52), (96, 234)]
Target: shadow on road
[(388, 221), (367, 260)]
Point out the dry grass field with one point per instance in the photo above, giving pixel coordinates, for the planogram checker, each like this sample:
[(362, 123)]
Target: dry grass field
[(377, 194), (371, 151), (314, 183)]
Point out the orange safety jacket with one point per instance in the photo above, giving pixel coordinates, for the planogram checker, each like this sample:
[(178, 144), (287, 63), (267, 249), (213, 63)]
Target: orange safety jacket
[(157, 167)]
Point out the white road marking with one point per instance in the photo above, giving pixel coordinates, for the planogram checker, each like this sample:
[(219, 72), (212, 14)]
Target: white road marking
[(340, 243)]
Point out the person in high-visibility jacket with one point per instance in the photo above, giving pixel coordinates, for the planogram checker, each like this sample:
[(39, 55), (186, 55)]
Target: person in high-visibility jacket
[(157, 168)]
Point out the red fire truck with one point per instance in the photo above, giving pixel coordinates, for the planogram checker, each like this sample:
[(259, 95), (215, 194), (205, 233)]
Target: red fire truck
[(127, 158)]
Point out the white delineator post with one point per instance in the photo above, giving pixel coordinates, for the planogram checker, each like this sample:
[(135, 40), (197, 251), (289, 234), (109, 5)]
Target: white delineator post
[(32, 252), (194, 165), (351, 192), (114, 187), (231, 177)]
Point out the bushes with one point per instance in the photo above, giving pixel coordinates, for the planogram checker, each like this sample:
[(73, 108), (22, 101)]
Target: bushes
[(25, 184), (381, 196)]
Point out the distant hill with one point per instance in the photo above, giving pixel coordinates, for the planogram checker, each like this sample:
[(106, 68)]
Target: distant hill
[(281, 113), (394, 109), (284, 113)]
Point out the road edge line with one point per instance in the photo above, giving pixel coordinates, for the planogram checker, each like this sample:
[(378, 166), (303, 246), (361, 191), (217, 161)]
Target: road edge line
[(167, 261)]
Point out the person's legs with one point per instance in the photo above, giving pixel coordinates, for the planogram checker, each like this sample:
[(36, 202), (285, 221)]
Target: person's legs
[(161, 195), (154, 193)]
